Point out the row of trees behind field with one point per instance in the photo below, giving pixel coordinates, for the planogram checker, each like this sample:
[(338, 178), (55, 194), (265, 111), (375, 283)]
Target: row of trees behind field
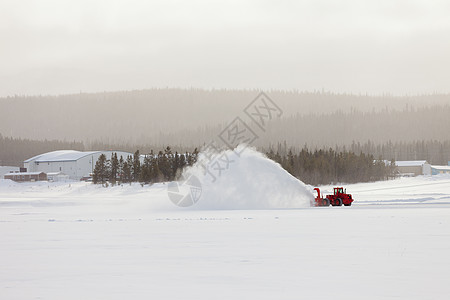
[(312, 167), (13, 151), (433, 151), (329, 166), (356, 162), (156, 167)]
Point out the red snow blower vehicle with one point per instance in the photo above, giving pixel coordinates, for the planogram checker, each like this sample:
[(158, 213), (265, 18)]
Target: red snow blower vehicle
[(338, 198)]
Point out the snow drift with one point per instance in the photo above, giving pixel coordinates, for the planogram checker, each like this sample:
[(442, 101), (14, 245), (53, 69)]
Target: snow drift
[(248, 180), (7, 183)]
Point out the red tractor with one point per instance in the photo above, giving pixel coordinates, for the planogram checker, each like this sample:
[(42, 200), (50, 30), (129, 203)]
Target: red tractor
[(339, 197)]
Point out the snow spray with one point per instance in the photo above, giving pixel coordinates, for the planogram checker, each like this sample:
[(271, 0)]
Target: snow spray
[(244, 179)]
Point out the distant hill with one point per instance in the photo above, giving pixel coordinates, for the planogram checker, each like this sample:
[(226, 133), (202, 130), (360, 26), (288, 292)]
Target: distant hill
[(193, 117)]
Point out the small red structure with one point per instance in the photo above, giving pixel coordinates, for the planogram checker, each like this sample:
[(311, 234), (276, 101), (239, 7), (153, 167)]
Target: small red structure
[(26, 176), (339, 198)]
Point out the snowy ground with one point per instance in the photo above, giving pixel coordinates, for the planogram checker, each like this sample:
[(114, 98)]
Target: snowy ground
[(79, 241)]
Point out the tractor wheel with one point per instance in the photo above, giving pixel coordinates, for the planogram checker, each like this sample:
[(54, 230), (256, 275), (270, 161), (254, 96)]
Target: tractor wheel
[(338, 202), (325, 202)]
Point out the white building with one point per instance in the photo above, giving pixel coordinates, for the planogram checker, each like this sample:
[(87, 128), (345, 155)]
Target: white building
[(57, 176), (413, 167), (436, 170), (75, 164)]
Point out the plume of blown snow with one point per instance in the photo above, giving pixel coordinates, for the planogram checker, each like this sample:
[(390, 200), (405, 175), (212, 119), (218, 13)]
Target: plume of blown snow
[(250, 181)]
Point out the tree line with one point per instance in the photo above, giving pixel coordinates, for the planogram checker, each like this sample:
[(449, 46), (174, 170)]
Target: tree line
[(330, 166), (312, 167), (318, 166), (433, 151), (155, 167)]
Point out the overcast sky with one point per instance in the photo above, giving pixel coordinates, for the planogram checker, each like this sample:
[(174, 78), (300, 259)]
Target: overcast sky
[(62, 46)]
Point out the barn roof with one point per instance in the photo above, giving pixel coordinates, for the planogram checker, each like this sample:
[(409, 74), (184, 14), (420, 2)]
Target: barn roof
[(60, 155), (446, 168), (55, 173), (410, 163), (23, 173)]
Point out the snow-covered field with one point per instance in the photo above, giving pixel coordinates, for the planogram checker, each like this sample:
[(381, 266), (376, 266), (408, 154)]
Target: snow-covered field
[(80, 241)]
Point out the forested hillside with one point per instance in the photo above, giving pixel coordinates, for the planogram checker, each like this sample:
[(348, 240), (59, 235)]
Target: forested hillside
[(188, 118), (384, 127)]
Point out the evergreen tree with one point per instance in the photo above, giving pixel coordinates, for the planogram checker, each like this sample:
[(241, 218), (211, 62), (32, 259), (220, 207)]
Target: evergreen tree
[(169, 167), (114, 168), (136, 166), (156, 173), (163, 165), (120, 169), (126, 169), (176, 165), (146, 169), (194, 156), (182, 165), (101, 170)]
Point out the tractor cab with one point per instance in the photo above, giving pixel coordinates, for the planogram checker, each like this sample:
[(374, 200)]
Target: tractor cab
[(339, 190)]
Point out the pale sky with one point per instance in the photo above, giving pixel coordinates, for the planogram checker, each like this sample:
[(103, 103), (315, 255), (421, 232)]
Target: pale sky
[(62, 46)]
